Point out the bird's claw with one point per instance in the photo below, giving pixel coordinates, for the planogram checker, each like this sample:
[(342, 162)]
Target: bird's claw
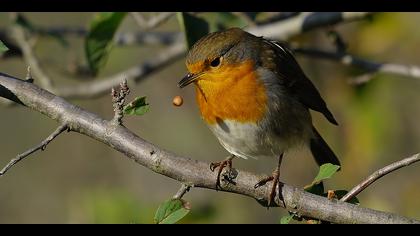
[(221, 165), (275, 178)]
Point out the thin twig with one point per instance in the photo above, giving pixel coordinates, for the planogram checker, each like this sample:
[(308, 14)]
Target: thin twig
[(378, 174), (18, 34), (182, 191), (369, 66), (40, 146)]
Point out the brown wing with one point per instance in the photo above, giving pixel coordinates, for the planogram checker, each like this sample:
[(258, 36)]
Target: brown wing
[(299, 85)]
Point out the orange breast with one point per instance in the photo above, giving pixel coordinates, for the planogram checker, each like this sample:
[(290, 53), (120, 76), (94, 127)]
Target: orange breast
[(233, 93)]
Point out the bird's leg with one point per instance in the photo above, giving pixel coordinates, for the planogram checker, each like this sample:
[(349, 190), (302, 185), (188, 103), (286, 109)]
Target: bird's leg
[(221, 165), (275, 178)]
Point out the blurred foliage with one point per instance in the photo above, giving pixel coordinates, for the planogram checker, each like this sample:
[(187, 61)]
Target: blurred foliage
[(115, 206), (193, 27), (99, 40), (78, 180)]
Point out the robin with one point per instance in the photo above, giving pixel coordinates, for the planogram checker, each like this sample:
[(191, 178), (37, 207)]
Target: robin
[(255, 98)]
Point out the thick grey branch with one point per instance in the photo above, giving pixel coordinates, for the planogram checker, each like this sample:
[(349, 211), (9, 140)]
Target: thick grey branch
[(379, 174), (186, 170), (40, 146)]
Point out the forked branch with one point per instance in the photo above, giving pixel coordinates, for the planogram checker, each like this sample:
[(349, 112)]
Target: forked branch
[(38, 147)]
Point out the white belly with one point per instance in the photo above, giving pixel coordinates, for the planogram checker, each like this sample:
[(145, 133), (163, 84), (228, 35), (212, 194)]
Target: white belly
[(246, 140)]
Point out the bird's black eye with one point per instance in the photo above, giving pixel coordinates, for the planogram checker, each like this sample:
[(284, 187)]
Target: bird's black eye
[(215, 62)]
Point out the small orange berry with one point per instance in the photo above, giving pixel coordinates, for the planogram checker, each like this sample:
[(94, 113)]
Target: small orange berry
[(177, 101)]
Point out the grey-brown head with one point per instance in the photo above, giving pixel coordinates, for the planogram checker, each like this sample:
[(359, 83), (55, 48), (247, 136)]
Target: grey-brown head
[(219, 49)]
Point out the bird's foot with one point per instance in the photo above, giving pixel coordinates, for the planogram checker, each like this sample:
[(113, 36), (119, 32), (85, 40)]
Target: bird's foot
[(221, 165), (272, 194)]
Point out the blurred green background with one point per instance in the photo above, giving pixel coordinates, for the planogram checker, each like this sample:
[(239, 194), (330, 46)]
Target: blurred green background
[(79, 180)]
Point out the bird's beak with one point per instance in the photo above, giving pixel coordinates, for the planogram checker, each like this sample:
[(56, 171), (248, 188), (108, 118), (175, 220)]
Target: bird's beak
[(188, 79)]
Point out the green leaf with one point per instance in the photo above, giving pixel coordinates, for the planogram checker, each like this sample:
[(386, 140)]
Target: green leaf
[(326, 171), (138, 106), (193, 27), (286, 219), (3, 47), (98, 43), (171, 211), (341, 193)]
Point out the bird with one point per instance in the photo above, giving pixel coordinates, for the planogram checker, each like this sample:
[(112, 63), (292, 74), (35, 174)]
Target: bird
[(256, 99)]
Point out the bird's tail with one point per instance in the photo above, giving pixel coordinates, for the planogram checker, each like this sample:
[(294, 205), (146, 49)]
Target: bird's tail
[(321, 151)]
